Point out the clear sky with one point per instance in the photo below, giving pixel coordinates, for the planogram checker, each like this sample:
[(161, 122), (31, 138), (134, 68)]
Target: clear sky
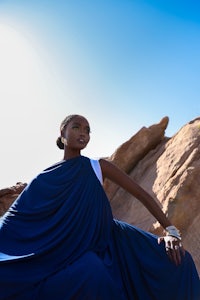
[(123, 64)]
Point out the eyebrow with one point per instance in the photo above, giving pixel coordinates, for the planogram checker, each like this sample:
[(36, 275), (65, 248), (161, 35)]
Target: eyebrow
[(77, 123)]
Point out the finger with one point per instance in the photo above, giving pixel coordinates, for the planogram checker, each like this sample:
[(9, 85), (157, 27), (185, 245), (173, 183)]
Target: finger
[(182, 250), (168, 248), (169, 253), (177, 251), (173, 256), (174, 252), (160, 240), (177, 254), (174, 249)]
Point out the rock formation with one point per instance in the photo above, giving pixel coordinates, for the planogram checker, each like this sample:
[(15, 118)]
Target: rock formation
[(168, 168), (8, 195), (170, 173)]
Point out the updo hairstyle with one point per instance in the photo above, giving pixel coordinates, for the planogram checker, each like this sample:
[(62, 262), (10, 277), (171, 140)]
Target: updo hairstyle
[(63, 125)]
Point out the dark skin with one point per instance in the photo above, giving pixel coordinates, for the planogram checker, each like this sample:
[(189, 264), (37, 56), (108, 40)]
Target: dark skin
[(75, 137)]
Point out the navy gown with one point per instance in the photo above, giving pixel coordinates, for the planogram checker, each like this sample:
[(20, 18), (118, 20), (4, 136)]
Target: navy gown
[(59, 241)]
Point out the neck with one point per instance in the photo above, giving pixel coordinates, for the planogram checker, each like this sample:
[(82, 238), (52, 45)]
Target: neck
[(71, 154)]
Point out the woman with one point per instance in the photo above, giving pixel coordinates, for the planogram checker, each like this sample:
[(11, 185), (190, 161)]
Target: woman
[(59, 239)]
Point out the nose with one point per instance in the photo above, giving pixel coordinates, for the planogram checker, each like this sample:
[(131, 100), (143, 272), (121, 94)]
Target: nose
[(82, 132)]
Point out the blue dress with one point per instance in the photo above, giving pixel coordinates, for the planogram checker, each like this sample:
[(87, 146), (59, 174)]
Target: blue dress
[(59, 241)]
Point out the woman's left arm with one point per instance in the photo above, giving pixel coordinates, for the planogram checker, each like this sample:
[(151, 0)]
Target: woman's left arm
[(172, 241)]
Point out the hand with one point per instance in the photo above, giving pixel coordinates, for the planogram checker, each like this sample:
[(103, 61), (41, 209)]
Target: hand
[(173, 248)]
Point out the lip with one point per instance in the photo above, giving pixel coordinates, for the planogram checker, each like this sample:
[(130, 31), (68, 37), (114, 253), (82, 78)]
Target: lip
[(81, 141)]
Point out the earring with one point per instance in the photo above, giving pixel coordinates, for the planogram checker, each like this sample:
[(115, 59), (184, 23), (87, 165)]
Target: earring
[(63, 140)]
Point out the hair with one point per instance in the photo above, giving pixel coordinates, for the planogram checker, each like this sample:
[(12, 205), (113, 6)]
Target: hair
[(63, 125)]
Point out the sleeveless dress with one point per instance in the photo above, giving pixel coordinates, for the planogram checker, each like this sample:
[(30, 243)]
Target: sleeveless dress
[(59, 241)]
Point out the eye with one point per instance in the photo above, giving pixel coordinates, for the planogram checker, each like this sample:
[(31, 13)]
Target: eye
[(76, 127)]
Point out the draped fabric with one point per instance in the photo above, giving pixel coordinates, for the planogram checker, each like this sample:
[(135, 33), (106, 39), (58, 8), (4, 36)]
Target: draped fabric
[(59, 241)]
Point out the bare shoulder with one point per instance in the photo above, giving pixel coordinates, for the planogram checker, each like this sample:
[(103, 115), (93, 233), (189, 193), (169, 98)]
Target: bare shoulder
[(104, 163), (107, 167), (112, 172), (115, 174)]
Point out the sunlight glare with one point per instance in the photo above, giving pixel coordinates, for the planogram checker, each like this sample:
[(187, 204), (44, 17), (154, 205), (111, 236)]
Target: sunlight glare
[(17, 61)]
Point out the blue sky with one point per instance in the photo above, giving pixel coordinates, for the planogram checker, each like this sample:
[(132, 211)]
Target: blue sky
[(122, 64)]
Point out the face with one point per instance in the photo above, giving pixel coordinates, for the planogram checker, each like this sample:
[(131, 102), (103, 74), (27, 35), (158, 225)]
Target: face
[(77, 133)]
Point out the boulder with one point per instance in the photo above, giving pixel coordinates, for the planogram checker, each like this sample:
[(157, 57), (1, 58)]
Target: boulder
[(170, 173)]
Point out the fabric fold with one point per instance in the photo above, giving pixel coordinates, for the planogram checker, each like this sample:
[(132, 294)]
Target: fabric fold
[(61, 228)]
